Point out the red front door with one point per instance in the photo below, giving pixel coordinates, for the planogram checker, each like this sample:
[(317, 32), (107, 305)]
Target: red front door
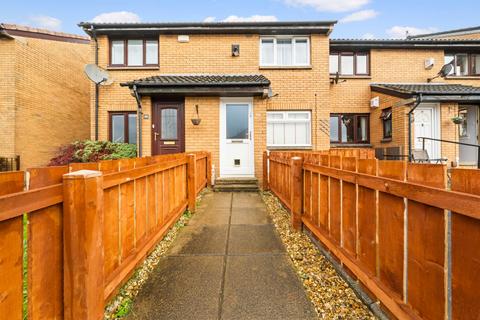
[(168, 126)]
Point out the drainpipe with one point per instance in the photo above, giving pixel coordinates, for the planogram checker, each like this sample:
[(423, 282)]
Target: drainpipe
[(419, 100), (139, 118), (97, 86)]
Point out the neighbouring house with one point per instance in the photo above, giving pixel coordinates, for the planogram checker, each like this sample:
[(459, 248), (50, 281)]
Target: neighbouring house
[(44, 94), (464, 33), (237, 89)]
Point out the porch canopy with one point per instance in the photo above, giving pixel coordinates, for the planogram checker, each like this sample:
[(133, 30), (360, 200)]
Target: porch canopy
[(430, 92), (236, 85)]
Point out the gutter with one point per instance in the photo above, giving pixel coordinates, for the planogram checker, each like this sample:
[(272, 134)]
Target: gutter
[(419, 100), (139, 119)]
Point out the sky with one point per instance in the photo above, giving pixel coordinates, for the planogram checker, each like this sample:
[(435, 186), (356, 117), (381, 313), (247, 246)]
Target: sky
[(356, 18)]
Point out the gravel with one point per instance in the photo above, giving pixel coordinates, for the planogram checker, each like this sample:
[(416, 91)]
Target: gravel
[(330, 294)]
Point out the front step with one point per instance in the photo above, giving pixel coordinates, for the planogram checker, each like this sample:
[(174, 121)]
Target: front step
[(236, 185)]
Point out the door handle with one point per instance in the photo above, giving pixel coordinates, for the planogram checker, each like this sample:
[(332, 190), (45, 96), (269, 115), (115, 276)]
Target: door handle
[(155, 135)]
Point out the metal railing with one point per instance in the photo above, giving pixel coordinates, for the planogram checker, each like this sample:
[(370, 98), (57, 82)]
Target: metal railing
[(454, 142), (9, 163)]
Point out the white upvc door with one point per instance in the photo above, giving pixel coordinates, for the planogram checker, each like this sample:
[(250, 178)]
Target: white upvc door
[(427, 124), (236, 137)]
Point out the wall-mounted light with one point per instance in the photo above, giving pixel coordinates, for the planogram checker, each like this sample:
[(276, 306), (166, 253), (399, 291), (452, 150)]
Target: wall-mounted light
[(196, 121), (235, 50)]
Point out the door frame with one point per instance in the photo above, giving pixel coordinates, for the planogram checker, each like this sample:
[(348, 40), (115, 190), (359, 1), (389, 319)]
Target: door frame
[(477, 132), (222, 126), (181, 115), (436, 126)]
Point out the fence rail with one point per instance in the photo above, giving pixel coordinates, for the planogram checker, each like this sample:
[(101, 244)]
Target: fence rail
[(87, 230), (408, 239)]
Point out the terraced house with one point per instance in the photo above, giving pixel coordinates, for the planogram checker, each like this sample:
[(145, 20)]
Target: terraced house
[(237, 89)]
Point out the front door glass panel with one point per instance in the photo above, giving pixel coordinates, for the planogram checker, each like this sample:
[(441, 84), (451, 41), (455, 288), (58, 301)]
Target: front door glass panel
[(169, 124), (237, 121)]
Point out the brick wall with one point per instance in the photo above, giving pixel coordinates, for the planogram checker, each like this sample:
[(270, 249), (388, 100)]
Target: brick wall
[(51, 98), (7, 98)]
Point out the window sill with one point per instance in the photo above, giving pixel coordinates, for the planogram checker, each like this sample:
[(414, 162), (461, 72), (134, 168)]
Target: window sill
[(351, 77), (289, 147), (463, 77), (285, 67), (133, 68), (350, 145), (385, 140)]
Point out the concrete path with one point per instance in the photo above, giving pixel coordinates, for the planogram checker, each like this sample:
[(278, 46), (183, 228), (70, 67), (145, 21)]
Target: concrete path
[(228, 263)]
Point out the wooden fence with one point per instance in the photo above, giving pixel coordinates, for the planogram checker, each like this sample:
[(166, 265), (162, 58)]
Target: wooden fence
[(87, 230), (409, 240)]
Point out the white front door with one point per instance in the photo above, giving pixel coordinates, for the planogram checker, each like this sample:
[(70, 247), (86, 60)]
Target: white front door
[(468, 132), (236, 137), (427, 124)]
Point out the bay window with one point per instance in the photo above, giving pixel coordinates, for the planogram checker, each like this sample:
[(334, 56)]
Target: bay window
[(349, 63), (289, 129), (133, 53), (284, 51), (464, 64), (349, 128)]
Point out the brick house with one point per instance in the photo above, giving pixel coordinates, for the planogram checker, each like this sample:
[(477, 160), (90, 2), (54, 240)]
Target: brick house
[(44, 100), (269, 85)]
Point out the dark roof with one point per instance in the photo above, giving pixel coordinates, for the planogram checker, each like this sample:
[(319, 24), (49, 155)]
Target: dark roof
[(430, 92), (453, 32), (204, 80), (275, 27), (404, 43)]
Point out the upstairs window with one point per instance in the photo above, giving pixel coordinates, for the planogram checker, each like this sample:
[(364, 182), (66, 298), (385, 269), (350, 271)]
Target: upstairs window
[(350, 63), (464, 64), (289, 129), (349, 128), (284, 51), (133, 53)]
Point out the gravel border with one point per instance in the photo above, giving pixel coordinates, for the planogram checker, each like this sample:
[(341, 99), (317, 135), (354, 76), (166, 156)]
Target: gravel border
[(331, 296), (120, 305)]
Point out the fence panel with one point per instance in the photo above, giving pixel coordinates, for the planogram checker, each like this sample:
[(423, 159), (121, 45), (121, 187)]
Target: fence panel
[(335, 211), (465, 252), (349, 209)]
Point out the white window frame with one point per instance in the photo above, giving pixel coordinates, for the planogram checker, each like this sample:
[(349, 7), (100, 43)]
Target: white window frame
[(286, 120), (275, 61)]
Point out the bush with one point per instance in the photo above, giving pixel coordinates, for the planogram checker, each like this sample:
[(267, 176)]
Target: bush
[(93, 151)]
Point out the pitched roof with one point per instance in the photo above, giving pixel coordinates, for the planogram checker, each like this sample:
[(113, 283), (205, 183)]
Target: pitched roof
[(409, 43), (428, 88), (273, 27), (11, 30), (204, 80), (454, 32)]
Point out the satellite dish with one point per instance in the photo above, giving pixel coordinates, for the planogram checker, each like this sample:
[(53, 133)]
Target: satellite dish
[(97, 74), (444, 72)]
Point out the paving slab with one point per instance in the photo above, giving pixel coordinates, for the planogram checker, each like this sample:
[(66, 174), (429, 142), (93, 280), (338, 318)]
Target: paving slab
[(254, 239), (204, 239), (250, 216), (247, 200), (263, 287), (181, 288)]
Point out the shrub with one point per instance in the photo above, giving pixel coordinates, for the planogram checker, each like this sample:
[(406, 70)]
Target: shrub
[(92, 151)]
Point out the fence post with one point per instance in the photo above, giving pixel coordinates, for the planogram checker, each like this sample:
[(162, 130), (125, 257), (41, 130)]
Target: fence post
[(209, 169), (265, 171), (296, 187), (83, 245), (191, 181)]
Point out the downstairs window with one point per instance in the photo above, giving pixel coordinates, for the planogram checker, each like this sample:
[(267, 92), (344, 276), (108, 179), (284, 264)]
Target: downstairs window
[(289, 129), (349, 128), (123, 127)]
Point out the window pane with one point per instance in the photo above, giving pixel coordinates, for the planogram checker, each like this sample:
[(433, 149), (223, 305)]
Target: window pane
[(267, 52), (118, 52), (362, 129), (151, 52), (135, 52), (274, 116), (279, 133), (237, 121), (387, 128), (476, 64), (333, 63), (118, 128), (334, 129), (346, 65), (290, 133), (169, 124), (301, 52), (461, 68), (302, 133), (362, 64), (269, 133), (284, 52), (348, 129), (132, 128), (298, 115)]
